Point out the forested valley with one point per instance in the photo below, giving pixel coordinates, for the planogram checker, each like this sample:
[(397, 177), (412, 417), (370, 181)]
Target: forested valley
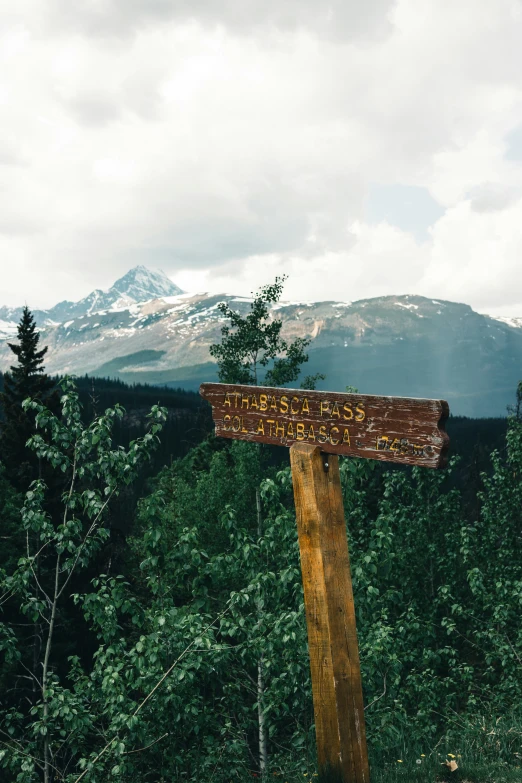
[(152, 625)]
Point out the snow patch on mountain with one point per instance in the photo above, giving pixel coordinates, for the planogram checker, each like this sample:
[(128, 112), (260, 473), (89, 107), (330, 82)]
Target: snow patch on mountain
[(285, 304), (179, 297), (7, 329), (516, 323)]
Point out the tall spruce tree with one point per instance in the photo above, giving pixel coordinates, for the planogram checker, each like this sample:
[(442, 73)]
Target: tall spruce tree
[(27, 378)]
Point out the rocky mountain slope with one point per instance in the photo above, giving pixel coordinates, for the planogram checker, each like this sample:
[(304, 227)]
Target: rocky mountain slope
[(145, 329)]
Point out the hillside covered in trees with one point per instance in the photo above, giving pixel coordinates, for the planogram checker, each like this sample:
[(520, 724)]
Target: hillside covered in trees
[(152, 624)]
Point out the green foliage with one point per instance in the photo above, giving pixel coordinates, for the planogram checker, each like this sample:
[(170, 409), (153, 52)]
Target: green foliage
[(254, 342), (200, 548), (45, 731), (310, 381)]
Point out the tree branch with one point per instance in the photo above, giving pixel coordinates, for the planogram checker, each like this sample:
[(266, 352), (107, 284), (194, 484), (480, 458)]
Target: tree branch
[(34, 572), (139, 750), (82, 545), (378, 697)]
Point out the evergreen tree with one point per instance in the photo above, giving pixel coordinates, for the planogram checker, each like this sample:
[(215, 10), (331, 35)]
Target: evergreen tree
[(26, 379)]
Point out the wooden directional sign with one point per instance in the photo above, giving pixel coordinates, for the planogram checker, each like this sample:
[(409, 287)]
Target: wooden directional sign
[(396, 429)]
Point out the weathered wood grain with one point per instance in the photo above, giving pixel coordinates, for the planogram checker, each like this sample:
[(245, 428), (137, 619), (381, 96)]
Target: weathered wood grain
[(396, 429), (330, 616)]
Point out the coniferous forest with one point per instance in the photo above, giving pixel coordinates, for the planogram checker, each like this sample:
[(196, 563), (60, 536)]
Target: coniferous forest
[(152, 625)]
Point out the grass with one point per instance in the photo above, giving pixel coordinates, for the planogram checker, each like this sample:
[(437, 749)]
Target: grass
[(432, 772), (487, 749), (437, 773)]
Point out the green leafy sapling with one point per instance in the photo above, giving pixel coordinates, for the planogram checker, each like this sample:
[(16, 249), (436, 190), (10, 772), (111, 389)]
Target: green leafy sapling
[(251, 343)]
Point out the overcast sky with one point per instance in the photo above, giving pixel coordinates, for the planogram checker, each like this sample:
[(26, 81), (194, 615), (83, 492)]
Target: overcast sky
[(364, 148)]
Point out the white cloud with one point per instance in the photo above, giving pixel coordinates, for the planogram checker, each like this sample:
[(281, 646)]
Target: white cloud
[(338, 19), (381, 259), (476, 258), (226, 145)]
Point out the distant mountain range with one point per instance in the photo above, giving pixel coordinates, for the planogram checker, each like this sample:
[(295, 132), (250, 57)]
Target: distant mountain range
[(145, 329)]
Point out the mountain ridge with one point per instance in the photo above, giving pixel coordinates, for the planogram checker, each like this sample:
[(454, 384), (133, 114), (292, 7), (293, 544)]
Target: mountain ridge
[(404, 345)]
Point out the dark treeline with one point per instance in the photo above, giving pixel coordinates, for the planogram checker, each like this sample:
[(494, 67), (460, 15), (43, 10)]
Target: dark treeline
[(109, 391), (188, 417)]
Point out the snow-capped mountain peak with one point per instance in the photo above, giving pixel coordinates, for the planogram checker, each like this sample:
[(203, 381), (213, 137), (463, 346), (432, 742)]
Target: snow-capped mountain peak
[(141, 284)]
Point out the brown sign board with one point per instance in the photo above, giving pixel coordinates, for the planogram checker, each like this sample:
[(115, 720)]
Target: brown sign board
[(406, 430)]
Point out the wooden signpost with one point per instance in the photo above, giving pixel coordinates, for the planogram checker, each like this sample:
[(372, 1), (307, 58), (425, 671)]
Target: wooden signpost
[(317, 426)]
